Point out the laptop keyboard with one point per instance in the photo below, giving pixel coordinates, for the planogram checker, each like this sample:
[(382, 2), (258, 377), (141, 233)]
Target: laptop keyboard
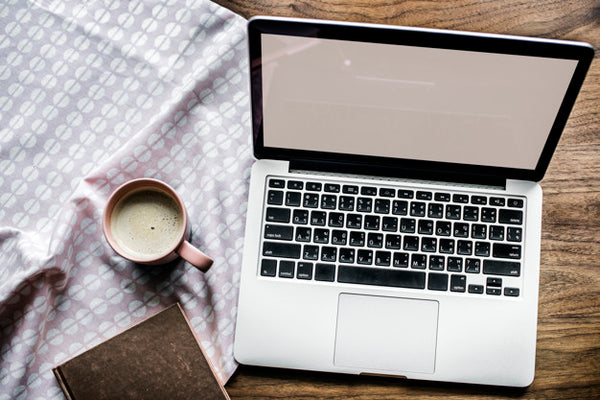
[(445, 241)]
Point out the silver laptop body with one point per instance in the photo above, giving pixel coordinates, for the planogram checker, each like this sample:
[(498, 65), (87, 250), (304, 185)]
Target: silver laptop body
[(394, 214)]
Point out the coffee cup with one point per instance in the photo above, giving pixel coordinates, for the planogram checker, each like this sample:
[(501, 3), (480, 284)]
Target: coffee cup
[(146, 222)]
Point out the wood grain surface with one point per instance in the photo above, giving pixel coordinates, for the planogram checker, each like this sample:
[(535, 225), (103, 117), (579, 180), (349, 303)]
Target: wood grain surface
[(568, 346)]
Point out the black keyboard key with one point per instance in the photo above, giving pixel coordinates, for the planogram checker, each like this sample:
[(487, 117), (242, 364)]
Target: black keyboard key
[(464, 247), (437, 281), (364, 204), (286, 269), (458, 283), (495, 282), (332, 188), (407, 225), (276, 183), (275, 197), (515, 203), (325, 272), (350, 189), (300, 217), (461, 229), (346, 203), (418, 261), (478, 231), (460, 198), (382, 206), (424, 195), (281, 249), (293, 199), (279, 232), (443, 228), (372, 222), (387, 192), (354, 221), (268, 267), (329, 201), (435, 210), (479, 200), (392, 241), (357, 238), (329, 254), (347, 255), (321, 236), (482, 249), (317, 218), (381, 277), (497, 201), (514, 234), (336, 220), (477, 289), (453, 211), (473, 265), (493, 291), (504, 268), (502, 250), (470, 213), (400, 207), (417, 209), (496, 232), (455, 264), (389, 224), (383, 258), (425, 227), (364, 257), (436, 263), (411, 243), (314, 186), (429, 244), (512, 292), (305, 270), (310, 252), (405, 194), (442, 197), (303, 234), (295, 185), (275, 214), (400, 260), (311, 200), (510, 216), (339, 237), (368, 191), (447, 246), (375, 240), (488, 215)]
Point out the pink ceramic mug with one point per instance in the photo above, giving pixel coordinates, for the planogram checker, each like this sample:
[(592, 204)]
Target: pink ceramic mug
[(145, 221)]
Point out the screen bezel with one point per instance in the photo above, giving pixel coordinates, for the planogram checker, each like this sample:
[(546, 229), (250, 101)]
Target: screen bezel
[(417, 169)]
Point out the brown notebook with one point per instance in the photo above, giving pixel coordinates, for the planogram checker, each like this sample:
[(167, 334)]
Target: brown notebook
[(159, 358)]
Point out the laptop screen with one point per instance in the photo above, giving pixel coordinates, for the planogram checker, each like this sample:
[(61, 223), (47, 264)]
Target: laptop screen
[(440, 105)]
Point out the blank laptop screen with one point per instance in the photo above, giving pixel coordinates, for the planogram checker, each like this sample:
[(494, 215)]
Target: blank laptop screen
[(415, 103)]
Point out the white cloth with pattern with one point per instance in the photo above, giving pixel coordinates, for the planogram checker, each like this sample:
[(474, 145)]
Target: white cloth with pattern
[(94, 94)]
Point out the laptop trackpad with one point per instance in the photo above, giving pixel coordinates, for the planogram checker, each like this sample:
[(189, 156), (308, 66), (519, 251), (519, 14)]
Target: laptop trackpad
[(386, 333)]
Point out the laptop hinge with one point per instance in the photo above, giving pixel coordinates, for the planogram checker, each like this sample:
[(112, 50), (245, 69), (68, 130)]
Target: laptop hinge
[(400, 173)]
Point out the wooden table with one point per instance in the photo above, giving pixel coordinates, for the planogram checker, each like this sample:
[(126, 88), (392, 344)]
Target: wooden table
[(568, 346)]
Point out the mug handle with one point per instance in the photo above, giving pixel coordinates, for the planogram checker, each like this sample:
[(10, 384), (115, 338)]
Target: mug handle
[(194, 256)]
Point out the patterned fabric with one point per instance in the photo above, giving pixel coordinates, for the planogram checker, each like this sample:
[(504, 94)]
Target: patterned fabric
[(94, 94)]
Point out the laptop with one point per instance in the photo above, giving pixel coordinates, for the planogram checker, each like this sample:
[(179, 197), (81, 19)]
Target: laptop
[(394, 212)]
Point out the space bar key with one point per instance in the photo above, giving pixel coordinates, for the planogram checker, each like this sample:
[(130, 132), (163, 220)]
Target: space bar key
[(381, 277)]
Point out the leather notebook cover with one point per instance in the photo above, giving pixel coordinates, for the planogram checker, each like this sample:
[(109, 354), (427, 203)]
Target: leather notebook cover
[(159, 358)]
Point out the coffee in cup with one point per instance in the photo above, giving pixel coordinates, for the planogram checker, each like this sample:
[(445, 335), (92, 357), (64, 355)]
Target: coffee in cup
[(145, 221)]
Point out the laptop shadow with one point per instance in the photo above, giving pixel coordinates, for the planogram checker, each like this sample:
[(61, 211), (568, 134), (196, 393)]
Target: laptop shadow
[(263, 382)]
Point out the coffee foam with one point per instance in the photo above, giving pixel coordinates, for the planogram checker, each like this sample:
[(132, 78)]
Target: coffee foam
[(147, 223)]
